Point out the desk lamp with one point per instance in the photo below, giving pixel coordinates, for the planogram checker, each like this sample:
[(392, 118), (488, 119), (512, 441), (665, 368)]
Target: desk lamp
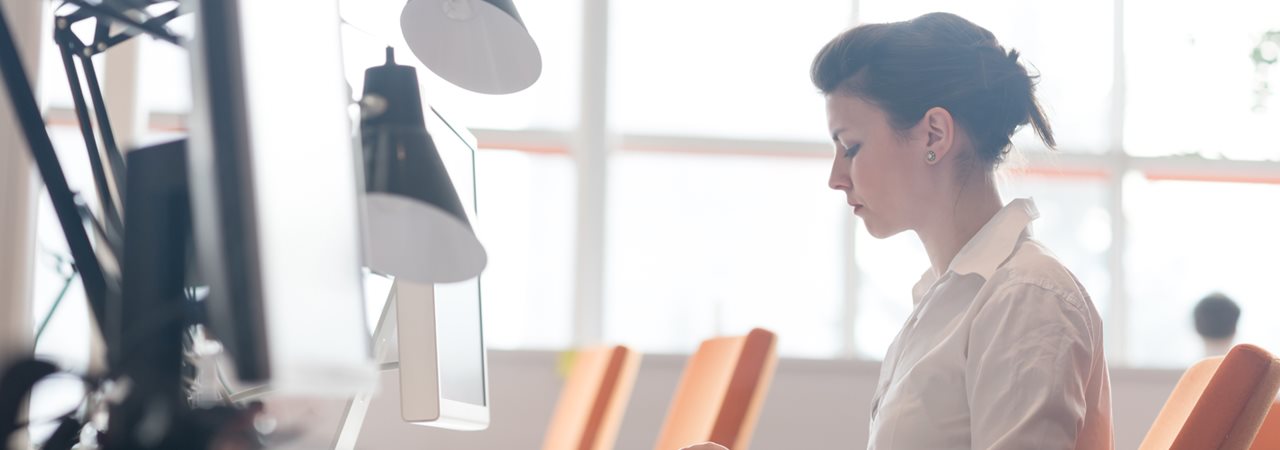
[(418, 229), (478, 45)]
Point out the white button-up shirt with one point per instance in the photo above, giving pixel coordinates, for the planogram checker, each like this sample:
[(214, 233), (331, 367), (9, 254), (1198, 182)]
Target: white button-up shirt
[(1004, 350)]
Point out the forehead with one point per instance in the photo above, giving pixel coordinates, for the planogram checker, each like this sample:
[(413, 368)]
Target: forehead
[(846, 111)]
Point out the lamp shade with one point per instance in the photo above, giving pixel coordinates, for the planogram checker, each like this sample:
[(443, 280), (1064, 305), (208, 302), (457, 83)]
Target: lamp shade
[(417, 228), (479, 45)]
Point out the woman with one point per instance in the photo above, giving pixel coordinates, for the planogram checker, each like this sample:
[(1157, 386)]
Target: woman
[(1003, 348)]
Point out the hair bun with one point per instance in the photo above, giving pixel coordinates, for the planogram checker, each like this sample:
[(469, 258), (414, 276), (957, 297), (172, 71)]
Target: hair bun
[(936, 60)]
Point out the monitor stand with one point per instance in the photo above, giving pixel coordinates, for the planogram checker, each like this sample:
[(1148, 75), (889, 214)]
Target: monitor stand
[(353, 414)]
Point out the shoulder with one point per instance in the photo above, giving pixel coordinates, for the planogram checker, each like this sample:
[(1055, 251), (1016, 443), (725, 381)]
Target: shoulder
[(1033, 299), (1033, 276)]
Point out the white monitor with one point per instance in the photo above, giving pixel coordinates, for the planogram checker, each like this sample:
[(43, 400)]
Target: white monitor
[(431, 336), (440, 329)]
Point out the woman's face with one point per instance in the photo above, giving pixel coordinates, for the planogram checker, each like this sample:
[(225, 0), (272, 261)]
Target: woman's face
[(883, 173)]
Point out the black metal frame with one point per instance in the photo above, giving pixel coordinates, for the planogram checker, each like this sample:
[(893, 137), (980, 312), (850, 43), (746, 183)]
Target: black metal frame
[(148, 294), (99, 286), (115, 11), (60, 194), (108, 175), (106, 162)]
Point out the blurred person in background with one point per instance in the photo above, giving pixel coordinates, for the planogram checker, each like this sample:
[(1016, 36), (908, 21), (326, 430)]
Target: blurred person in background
[(1216, 317)]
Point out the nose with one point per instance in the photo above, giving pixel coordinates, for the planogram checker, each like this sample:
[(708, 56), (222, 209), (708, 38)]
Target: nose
[(840, 179)]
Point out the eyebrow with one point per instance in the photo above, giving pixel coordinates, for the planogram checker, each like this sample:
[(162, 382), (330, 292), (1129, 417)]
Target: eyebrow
[(835, 135)]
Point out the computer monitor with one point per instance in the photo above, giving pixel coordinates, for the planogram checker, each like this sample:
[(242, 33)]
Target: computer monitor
[(430, 336), (440, 328), (274, 194)]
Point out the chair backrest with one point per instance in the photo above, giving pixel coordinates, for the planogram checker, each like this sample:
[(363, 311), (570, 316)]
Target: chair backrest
[(721, 392), (593, 400), (1268, 437), (1178, 407), (1219, 403)]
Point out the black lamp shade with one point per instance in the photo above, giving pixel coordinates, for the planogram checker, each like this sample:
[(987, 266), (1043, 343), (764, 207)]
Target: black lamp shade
[(417, 227), (479, 45)]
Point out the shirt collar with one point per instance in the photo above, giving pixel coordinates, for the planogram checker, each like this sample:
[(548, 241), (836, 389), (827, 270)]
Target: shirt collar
[(990, 247)]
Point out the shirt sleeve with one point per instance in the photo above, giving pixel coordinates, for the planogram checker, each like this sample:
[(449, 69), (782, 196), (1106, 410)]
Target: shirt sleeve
[(1030, 352)]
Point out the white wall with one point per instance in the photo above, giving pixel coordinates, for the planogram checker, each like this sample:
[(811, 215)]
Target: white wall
[(811, 403)]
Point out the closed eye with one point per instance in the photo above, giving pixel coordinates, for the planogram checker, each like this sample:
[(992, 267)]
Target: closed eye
[(852, 150)]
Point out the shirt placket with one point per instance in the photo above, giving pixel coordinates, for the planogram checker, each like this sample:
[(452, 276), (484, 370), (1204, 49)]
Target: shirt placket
[(908, 331)]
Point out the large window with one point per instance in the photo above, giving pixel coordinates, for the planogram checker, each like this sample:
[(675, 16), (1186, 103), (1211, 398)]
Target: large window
[(526, 222), (1194, 86), (700, 246), (727, 224), (1190, 239), (720, 68)]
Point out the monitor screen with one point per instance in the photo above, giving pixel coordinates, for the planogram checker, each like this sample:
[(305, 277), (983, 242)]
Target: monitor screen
[(460, 343), (459, 324)]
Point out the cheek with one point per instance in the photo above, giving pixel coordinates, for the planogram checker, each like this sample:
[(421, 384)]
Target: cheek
[(864, 177), (886, 182), (875, 178), (916, 179)]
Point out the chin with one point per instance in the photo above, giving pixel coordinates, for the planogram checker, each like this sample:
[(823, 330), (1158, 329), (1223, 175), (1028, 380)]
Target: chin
[(879, 231)]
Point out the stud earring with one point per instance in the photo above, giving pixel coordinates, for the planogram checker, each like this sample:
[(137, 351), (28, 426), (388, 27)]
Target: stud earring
[(931, 157)]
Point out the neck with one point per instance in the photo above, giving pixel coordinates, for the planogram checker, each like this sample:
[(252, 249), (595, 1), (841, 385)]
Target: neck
[(1217, 347), (957, 218)]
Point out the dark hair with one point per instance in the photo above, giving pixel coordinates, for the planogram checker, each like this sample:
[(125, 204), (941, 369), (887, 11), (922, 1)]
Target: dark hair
[(1216, 316), (942, 60)]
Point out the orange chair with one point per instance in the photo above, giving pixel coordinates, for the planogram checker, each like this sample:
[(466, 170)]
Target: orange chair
[(1269, 435), (1219, 403), (721, 392), (593, 399)]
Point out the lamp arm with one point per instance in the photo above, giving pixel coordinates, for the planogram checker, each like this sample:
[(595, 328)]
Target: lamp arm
[(114, 222), (156, 30), (23, 100)]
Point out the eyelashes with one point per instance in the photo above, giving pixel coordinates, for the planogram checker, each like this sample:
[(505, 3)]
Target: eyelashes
[(852, 150)]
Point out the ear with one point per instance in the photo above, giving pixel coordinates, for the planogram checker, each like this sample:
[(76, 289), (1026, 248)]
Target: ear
[(938, 130)]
